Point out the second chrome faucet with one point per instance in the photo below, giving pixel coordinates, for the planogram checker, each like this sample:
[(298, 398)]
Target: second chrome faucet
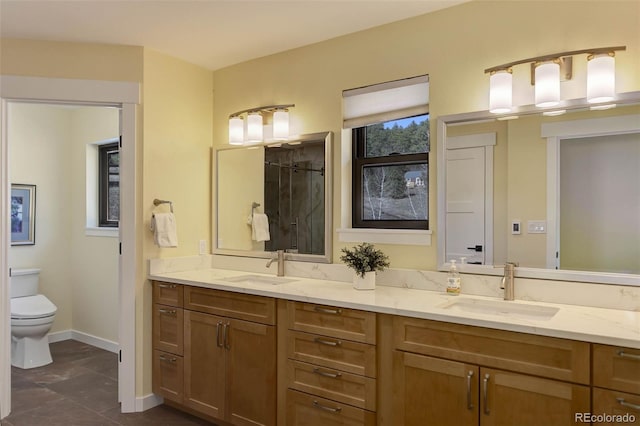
[(280, 259)]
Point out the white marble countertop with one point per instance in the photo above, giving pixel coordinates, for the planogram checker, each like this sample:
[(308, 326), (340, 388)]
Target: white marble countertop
[(596, 325)]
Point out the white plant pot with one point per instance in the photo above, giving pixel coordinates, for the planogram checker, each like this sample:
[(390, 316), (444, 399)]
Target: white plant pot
[(368, 282)]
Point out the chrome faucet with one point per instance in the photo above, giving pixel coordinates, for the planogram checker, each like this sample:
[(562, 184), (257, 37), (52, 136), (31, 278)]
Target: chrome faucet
[(508, 280), (280, 259)]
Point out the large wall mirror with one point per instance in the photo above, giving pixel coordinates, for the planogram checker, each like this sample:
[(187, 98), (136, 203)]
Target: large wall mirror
[(275, 196), (559, 195)]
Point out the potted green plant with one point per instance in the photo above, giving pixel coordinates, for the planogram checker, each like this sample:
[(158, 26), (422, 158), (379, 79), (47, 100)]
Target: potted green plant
[(365, 260)]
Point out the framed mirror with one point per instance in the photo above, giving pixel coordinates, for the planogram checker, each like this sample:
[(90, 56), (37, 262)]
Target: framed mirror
[(559, 195), (275, 196)]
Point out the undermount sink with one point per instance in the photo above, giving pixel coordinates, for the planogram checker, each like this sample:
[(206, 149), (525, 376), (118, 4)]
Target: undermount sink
[(503, 309), (258, 279)]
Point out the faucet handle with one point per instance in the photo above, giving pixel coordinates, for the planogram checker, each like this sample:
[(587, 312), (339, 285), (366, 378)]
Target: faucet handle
[(506, 265)]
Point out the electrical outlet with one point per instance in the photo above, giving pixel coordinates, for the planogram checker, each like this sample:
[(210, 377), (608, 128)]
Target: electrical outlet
[(203, 246)]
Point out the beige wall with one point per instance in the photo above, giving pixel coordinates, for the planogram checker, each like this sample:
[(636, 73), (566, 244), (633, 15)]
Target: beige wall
[(453, 46), (93, 260), (176, 164)]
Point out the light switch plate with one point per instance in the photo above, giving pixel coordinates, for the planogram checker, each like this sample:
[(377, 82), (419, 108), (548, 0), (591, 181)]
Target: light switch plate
[(203, 246), (516, 227), (537, 226)]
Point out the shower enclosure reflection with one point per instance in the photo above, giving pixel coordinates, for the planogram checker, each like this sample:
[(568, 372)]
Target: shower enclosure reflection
[(294, 197)]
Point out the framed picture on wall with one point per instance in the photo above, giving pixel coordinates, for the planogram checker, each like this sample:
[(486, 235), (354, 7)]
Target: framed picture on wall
[(23, 214)]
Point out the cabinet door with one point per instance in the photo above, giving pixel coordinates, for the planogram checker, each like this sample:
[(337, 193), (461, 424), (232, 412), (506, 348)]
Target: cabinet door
[(434, 391), (251, 373), (517, 399), (204, 363)]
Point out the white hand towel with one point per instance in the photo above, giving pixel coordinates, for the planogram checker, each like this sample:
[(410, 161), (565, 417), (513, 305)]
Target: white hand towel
[(164, 229), (260, 227)]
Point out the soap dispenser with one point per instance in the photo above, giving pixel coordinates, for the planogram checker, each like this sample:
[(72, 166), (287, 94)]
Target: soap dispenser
[(453, 279)]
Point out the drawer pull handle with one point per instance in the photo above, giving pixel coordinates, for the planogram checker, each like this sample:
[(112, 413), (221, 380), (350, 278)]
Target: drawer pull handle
[(469, 401), (626, 404), (325, 408), (327, 310), (164, 358), (167, 285), (327, 342), (485, 394), (168, 311), (326, 373), (623, 354)]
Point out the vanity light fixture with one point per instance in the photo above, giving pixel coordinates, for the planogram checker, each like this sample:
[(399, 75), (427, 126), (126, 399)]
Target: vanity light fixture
[(546, 73), (254, 118), (500, 91), (601, 77), (554, 112), (547, 83)]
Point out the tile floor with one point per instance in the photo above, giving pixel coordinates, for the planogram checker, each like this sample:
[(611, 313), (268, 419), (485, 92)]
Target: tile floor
[(79, 388)]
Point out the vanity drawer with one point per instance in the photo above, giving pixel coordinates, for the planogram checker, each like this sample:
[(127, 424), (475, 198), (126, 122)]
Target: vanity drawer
[(616, 368), (235, 305), (168, 376), (304, 409), (551, 357), (616, 403), (350, 324), (168, 293), (343, 355), (336, 385), (168, 333)]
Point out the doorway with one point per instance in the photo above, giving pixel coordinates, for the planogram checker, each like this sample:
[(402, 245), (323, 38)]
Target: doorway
[(123, 95)]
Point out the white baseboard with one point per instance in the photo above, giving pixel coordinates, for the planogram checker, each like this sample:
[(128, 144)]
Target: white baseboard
[(89, 339), (149, 401)]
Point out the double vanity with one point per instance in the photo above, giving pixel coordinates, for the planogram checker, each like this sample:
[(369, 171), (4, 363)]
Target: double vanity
[(246, 348)]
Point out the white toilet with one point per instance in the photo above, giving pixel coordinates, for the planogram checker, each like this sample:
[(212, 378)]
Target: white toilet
[(32, 315)]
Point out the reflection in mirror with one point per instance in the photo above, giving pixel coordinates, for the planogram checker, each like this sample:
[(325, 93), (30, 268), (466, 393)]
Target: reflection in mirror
[(275, 197), (558, 194)]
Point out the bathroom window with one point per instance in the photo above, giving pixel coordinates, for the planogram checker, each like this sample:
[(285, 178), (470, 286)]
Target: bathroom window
[(109, 185), (390, 179)]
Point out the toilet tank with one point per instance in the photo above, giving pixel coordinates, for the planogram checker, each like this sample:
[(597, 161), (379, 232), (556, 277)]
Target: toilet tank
[(24, 282)]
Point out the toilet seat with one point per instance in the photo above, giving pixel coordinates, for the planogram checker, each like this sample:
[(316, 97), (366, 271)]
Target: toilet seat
[(32, 307)]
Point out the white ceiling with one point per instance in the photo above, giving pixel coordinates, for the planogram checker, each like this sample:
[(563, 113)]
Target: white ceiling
[(210, 33)]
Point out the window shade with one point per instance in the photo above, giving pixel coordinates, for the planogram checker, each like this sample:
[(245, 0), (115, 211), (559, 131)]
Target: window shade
[(385, 101)]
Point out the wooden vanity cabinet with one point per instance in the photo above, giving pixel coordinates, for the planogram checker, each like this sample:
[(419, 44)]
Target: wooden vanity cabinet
[(616, 381), (449, 374), (227, 368), (331, 366)]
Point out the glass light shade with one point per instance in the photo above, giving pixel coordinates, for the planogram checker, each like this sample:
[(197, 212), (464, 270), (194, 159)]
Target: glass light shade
[(601, 78), (500, 92), (254, 127), (281, 124), (236, 131), (547, 89)]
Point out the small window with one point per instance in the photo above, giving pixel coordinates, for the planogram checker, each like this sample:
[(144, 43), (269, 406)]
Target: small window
[(109, 185), (391, 174)]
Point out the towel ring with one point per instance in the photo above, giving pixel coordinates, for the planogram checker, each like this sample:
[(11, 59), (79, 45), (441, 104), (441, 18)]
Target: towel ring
[(157, 202)]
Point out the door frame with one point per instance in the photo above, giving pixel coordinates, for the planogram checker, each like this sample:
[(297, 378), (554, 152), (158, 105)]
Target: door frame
[(125, 95)]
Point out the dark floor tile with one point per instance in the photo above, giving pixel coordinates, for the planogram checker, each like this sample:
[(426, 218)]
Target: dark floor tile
[(52, 373), (104, 363), (59, 413), (93, 390), (29, 396), (71, 350), (160, 415)]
